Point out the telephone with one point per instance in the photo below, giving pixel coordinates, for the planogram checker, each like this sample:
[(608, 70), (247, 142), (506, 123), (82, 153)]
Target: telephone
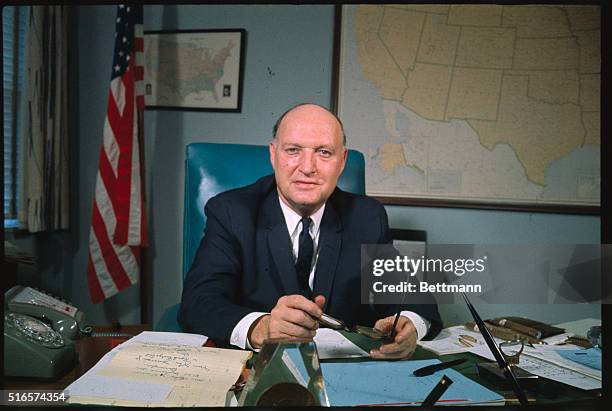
[(38, 334)]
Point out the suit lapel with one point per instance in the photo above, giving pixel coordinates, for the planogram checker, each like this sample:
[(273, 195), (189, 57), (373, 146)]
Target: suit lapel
[(279, 243), (330, 243)]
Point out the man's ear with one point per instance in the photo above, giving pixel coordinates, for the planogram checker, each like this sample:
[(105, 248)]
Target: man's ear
[(272, 150), (344, 156)]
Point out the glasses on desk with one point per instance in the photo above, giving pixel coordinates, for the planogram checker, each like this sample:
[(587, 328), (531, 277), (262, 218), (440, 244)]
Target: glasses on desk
[(336, 324), (512, 350)]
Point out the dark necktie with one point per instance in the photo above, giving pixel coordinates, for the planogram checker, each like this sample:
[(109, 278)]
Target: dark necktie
[(305, 251)]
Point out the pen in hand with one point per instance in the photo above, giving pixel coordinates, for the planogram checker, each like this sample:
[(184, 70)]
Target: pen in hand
[(391, 336), (392, 333)]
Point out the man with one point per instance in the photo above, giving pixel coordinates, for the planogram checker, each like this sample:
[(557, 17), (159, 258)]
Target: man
[(280, 252)]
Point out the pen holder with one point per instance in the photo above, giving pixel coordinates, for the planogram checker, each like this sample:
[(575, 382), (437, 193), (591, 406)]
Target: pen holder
[(491, 371), (286, 373)]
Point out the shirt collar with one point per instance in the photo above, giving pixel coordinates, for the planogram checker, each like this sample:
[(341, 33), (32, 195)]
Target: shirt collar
[(292, 219)]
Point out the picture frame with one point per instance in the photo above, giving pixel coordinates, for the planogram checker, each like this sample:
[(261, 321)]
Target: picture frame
[(198, 70), (442, 184)]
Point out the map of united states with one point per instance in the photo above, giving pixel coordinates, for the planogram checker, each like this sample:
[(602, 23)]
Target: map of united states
[(198, 69), (201, 72)]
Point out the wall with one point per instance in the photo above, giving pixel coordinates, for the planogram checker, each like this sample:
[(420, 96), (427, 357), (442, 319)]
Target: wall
[(288, 60)]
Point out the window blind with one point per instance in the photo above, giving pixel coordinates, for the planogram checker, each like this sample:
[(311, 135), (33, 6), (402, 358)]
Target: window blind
[(14, 26)]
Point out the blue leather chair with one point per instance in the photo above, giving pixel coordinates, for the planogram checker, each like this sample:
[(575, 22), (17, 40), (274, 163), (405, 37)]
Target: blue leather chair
[(213, 168)]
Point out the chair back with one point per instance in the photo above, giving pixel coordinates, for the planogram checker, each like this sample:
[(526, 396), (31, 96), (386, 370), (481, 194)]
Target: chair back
[(212, 168)]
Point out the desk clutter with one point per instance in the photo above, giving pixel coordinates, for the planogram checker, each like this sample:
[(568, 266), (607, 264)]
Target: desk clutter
[(560, 353), (290, 374), (159, 369)]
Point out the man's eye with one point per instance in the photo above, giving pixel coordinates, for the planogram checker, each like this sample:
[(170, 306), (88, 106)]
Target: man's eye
[(291, 150), (325, 153)]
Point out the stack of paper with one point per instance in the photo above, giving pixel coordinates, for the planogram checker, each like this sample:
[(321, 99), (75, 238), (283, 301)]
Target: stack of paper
[(392, 383), (160, 370)]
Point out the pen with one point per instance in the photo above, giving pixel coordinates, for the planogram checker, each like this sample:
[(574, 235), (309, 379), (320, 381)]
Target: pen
[(411, 402), (392, 334), (469, 338), (465, 343), (333, 323), (437, 392), (430, 369), (499, 357)]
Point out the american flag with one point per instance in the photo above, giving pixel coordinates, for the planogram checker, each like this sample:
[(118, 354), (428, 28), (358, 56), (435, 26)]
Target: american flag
[(118, 229)]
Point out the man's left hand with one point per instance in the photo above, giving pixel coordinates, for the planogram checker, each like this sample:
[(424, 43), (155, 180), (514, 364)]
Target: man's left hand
[(402, 346)]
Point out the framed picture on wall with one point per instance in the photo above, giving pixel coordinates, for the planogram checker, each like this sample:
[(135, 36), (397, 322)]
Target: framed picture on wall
[(194, 69), (454, 105)]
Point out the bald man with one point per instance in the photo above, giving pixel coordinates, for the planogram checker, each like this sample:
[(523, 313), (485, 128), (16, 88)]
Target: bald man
[(278, 253)]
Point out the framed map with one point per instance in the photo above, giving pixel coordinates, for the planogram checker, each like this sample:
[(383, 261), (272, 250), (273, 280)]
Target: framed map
[(194, 69), (486, 106)]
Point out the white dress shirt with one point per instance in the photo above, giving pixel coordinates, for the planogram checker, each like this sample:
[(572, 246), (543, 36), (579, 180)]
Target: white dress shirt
[(239, 335)]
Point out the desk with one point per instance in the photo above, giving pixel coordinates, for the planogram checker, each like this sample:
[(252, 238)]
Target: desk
[(89, 350), (548, 392)]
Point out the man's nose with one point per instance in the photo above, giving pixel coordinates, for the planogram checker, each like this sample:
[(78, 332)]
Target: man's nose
[(308, 164)]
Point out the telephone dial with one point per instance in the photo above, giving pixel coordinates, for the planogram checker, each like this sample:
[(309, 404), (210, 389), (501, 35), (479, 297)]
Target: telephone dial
[(38, 334)]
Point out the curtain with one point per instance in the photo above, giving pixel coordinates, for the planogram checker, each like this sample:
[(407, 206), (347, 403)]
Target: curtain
[(43, 196)]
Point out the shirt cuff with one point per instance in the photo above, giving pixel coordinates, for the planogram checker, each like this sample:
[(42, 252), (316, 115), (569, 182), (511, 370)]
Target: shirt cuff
[(420, 323), (240, 337)]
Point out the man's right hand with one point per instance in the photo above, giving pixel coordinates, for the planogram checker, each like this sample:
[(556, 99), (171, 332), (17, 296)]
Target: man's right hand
[(293, 317)]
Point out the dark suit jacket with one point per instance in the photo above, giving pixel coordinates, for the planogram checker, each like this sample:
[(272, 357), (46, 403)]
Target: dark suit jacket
[(245, 262)]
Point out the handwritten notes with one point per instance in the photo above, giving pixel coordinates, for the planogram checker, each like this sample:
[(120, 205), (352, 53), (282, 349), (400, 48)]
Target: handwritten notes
[(545, 361), (200, 376), (159, 369)]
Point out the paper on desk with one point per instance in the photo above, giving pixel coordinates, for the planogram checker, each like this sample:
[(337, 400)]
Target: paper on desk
[(199, 376), (545, 362), (90, 389), (552, 355), (393, 383), (331, 344), (194, 340), (579, 327), (589, 357), (93, 388), (447, 342)]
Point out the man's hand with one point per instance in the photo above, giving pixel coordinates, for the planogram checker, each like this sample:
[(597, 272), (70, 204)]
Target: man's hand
[(403, 345), (293, 317)]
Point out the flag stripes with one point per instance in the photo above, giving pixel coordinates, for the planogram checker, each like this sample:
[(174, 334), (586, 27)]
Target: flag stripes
[(118, 229)]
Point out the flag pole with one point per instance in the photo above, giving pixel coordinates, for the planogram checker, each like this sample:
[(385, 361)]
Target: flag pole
[(144, 267)]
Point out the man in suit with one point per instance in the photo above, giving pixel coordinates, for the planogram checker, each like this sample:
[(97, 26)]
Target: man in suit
[(278, 253)]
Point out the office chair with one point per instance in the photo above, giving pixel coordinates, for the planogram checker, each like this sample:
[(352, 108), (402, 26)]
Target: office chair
[(212, 168)]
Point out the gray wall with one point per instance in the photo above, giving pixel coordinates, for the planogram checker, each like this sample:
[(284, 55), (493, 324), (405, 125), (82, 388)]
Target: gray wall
[(288, 60)]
